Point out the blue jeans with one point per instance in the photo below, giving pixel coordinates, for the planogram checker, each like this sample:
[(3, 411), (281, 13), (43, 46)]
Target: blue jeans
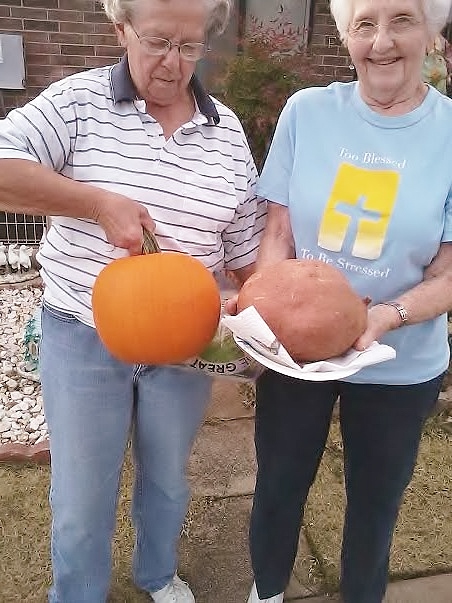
[(381, 428), (92, 404)]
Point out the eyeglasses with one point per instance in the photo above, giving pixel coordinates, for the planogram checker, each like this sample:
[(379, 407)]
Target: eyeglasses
[(159, 47), (396, 28)]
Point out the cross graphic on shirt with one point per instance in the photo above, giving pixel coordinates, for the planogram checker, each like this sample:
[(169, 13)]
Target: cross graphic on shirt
[(358, 215)]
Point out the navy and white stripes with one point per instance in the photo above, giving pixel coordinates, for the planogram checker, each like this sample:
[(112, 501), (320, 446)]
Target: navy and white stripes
[(198, 186)]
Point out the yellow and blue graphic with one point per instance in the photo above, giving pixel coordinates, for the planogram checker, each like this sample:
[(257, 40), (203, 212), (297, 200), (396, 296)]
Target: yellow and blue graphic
[(358, 211)]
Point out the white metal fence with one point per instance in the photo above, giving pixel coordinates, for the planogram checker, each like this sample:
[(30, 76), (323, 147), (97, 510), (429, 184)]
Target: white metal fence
[(20, 228)]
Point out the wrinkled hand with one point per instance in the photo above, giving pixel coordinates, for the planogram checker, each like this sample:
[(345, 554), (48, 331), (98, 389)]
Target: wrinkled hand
[(123, 220), (380, 320), (230, 306)]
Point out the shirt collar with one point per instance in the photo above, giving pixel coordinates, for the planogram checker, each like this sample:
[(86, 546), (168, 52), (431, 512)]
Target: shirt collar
[(123, 89)]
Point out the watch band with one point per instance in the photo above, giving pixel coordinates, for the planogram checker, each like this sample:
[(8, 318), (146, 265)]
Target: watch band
[(400, 309)]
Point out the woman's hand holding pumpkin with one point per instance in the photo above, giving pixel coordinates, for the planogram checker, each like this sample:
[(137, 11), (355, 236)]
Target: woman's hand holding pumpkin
[(230, 305), (380, 320), (123, 220)]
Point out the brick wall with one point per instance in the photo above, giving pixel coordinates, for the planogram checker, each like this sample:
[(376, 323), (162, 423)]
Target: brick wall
[(330, 57), (65, 36), (60, 37)]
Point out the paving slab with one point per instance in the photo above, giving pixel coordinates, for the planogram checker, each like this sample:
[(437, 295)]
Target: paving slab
[(223, 460), (231, 399), (432, 589), (214, 551)]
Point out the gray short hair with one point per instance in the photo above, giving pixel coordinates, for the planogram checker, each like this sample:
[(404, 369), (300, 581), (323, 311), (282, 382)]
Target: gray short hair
[(120, 11), (437, 13)]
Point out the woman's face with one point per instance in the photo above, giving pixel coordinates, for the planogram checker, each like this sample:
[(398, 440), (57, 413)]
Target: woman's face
[(387, 41), (163, 80)]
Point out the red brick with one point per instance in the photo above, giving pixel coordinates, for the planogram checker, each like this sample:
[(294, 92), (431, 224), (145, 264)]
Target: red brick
[(344, 74), (329, 30), (109, 51), (40, 25), (66, 38), (41, 3), (39, 59), (10, 23), (104, 28), (36, 36), (71, 70), (81, 4), (77, 27), (41, 48), (29, 13), (101, 40), (53, 71), (38, 48), (23, 453), (97, 62), (34, 89), (42, 81), (65, 15), (334, 60), (65, 60), (95, 17), (77, 49)]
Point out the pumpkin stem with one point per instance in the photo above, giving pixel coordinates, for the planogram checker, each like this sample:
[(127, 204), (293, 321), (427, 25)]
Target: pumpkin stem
[(150, 244)]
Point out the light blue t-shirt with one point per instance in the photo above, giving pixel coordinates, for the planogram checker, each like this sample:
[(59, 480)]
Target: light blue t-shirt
[(371, 195)]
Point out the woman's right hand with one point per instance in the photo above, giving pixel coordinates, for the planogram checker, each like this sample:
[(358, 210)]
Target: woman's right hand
[(123, 220)]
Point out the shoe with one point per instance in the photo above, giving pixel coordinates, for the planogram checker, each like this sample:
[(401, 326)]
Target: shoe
[(254, 597), (176, 591)]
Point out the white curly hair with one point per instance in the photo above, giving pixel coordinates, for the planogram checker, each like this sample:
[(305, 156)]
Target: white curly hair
[(437, 14), (120, 11)]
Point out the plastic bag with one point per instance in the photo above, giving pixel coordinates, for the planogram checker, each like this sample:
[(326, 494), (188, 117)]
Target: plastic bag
[(29, 367), (223, 357)]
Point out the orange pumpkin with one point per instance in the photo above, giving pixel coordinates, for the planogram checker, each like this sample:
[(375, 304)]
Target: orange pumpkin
[(161, 308)]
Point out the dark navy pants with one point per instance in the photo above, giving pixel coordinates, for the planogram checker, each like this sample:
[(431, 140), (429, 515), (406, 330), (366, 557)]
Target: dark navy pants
[(381, 427)]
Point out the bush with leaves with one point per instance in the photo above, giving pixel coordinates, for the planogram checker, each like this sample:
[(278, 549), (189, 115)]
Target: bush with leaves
[(437, 67), (270, 66)]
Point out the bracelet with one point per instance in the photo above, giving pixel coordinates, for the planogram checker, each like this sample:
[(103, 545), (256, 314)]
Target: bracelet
[(400, 309)]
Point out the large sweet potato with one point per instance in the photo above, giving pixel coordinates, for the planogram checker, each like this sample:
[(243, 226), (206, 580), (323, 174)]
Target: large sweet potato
[(309, 305)]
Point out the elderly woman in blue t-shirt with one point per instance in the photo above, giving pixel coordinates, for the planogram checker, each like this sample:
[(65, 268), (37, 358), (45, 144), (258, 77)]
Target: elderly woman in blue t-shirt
[(105, 153), (359, 175)]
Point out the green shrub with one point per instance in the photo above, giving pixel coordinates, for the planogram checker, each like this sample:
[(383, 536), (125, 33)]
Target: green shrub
[(270, 66)]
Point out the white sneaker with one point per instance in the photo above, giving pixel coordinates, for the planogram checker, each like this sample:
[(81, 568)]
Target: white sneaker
[(254, 597), (176, 591)]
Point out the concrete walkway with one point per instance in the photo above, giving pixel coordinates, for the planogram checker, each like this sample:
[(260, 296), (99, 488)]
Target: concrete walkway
[(214, 549)]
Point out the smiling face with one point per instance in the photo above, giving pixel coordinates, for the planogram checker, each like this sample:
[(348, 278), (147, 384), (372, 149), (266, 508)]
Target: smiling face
[(387, 41), (163, 80)]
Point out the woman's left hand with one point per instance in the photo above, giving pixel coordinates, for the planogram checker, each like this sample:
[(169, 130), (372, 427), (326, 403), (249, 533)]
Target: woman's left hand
[(430, 298), (230, 305)]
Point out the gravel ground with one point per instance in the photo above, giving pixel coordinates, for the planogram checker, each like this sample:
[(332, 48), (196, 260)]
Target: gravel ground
[(21, 415)]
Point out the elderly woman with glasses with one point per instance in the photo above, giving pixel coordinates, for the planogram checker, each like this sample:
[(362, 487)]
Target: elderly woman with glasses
[(359, 175), (106, 153)]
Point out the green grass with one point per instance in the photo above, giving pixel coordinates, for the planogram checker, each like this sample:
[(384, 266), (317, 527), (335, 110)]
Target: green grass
[(421, 544), (423, 536)]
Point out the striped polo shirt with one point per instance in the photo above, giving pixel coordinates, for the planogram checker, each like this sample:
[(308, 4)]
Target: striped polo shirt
[(198, 186)]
